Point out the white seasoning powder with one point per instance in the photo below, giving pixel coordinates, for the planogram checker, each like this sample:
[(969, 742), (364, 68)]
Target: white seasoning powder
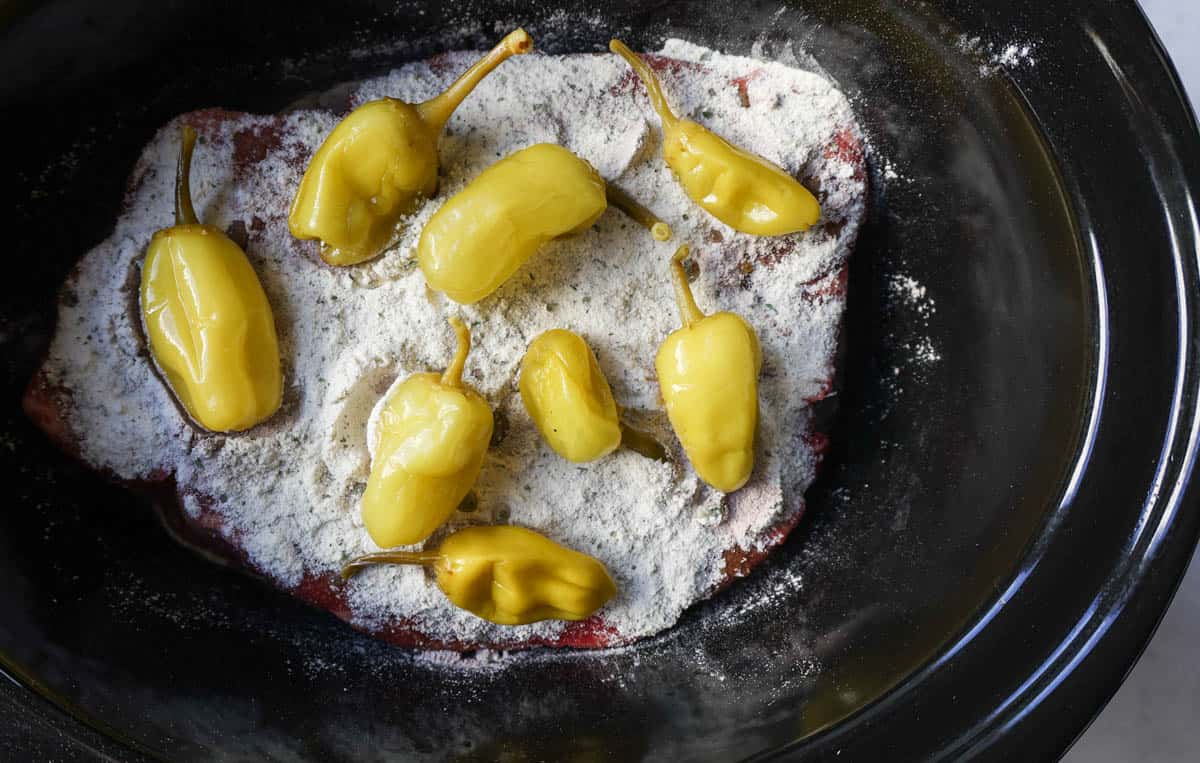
[(287, 492)]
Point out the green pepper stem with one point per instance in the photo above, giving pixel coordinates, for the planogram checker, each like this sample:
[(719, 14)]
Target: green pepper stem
[(184, 213), (436, 111), (648, 78), (452, 376), (641, 215), (642, 443), (689, 313), (360, 563)]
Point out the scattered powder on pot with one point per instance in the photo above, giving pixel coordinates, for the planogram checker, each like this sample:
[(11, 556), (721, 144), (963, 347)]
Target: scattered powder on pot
[(287, 492), (994, 57)]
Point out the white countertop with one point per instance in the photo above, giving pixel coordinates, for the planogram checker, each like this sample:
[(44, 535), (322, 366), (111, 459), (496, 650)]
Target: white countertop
[(1155, 717)]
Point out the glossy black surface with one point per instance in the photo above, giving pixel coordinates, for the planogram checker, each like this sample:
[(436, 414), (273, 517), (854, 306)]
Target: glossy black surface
[(993, 541)]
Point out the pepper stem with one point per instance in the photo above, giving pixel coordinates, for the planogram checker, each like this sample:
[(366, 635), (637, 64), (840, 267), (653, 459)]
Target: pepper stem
[(642, 443), (648, 78), (452, 376), (184, 213), (436, 111), (360, 563), (641, 215), (688, 312)]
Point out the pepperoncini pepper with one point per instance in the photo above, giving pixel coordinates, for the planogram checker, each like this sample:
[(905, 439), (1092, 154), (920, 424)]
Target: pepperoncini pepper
[(708, 375), (508, 575), (482, 234), (571, 404), (378, 163), (568, 398), (744, 191), (208, 322), (433, 433)]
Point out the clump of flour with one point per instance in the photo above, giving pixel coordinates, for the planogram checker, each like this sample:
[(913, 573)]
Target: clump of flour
[(287, 492), (996, 56)]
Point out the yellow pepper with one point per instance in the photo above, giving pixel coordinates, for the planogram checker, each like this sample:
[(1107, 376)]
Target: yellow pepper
[(568, 398), (744, 191), (378, 163), (508, 575), (708, 375), (207, 319), (433, 434), (482, 234)]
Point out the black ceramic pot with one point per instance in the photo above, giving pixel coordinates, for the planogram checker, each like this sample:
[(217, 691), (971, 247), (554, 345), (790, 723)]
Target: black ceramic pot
[(994, 538)]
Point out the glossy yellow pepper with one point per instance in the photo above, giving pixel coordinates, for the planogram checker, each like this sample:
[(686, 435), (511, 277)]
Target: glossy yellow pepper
[(744, 191), (482, 234), (378, 163), (207, 319), (433, 433), (708, 375), (568, 398), (508, 575)]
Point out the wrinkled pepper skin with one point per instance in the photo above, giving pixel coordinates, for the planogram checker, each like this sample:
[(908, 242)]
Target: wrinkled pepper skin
[(568, 398), (708, 375), (378, 163), (513, 576), (742, 190), (371, 170), (207, 319), (509, 575), (433, 434), (482, 234)]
